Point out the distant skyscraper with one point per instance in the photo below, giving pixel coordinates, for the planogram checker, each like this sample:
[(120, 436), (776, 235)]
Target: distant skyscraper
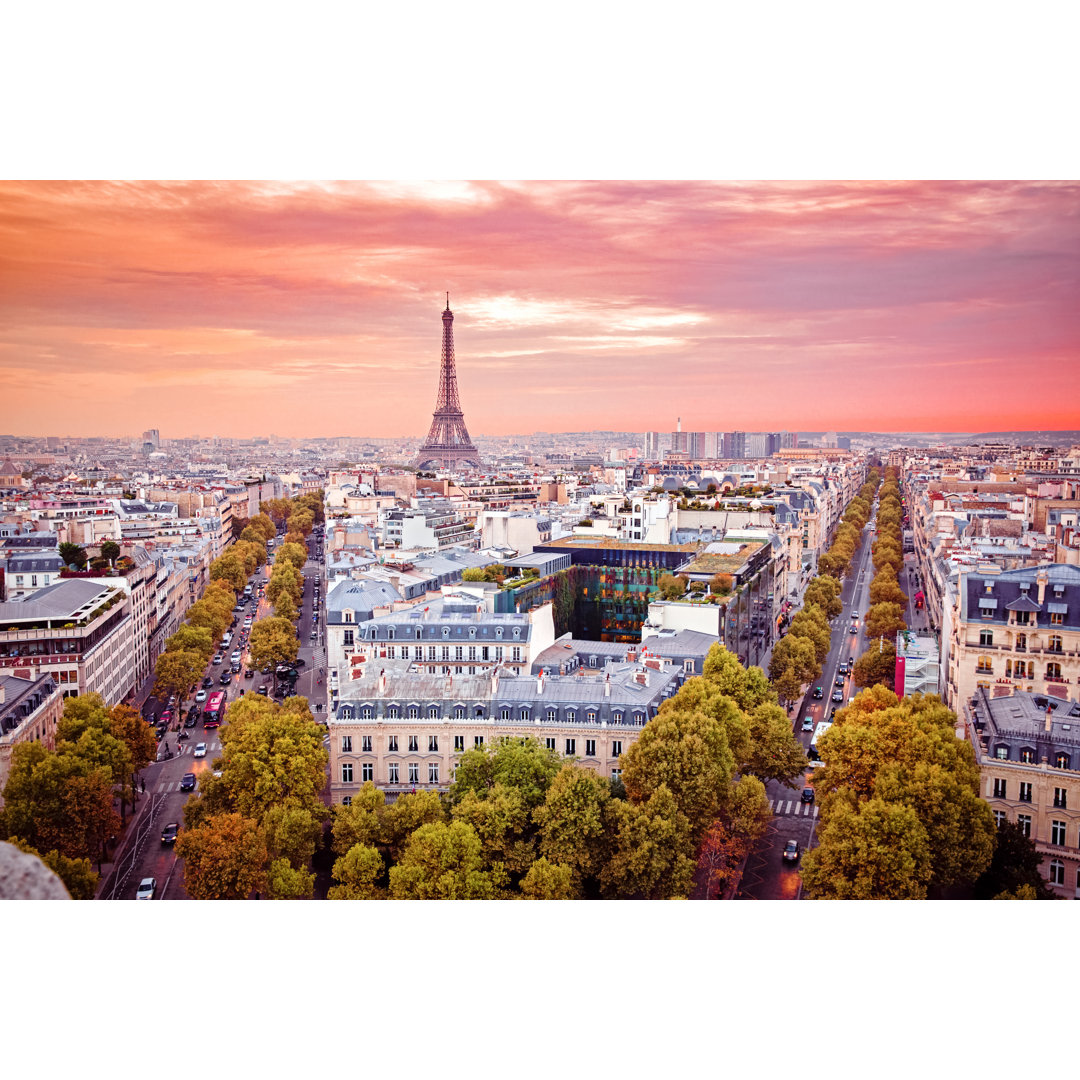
[(755, 444), (695, 444), (829, 439), (734, 444), (448, 442), (789, 440), (152, 436)]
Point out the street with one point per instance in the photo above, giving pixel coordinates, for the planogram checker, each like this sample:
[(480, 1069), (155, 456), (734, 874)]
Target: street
[(142, 854), (767, 876)]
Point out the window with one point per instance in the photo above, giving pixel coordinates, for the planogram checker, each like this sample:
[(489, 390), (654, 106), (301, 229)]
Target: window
[(392, 769), (431, 652), (433, 744), (1001, 753), (550, 743), (1027, 756), (1057, 833), (414, 712), (472, 652), (1024, 821), (1053, 670), (433, 712), (571, 746), (414, 744), (414, 772), (458, 653), (1022, 618), (346, 744), (391, 652), (986, 637), (999, 789), (1057, 872), (365, 744), (393, 712), (1055, 643), (616, 747), (347, 637), (1021, 642), (590, 748), (571, 715), (347, 800), (459, 712), (459, 744), (504, 714), (433, 772), (552, 715), (1057, 618), (517, 653), (999, 818), (478, 740), (392, 744), (616, 774), (1060, 797), (346, 772), (367, 771), (1061, 761), (1025, 793), (523, 714), (444, 653), (984, 666)]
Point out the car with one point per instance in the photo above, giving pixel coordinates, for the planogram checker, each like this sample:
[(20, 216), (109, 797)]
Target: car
[(188, 782), (236, 655), (853, 629), (791, 851), (162, 731), (217, 658), (192, 719), (850, 662), (168, 834), (808, 724), (807, 794), (838, 695), (840, 680), (235, 669), (226, 678), (262, 690), (314, 634), (166, 716), (818, 693), (299, 662), (147, 888), (200, 750), (201, 695), (208, 682), (249, 674)]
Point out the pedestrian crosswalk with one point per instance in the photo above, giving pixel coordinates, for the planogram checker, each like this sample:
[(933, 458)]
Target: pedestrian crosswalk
[(794, 807)]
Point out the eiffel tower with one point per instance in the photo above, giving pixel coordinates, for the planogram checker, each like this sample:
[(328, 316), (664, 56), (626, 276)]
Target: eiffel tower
[(447, 444)]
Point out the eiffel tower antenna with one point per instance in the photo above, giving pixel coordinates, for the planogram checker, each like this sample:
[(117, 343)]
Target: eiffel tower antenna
[(448, 444)]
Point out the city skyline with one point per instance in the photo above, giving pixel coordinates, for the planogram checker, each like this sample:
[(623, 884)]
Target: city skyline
[(307, 308)]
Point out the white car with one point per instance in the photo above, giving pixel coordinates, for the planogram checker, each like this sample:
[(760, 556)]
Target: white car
[(236, 655), (201, 695), (808, 724), (147, 888), (200, 750)]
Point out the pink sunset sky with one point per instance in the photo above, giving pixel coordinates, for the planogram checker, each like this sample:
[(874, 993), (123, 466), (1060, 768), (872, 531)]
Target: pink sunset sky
[(313, 308)]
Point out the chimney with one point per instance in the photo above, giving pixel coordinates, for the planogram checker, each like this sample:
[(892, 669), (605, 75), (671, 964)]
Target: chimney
[(395, 581), (1042, 579), (494, 681), (631, 656), (607, 686), (1048, 726), (540, 681), (382, 681)]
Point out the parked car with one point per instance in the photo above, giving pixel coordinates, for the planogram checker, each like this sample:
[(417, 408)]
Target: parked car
[(147, 888), (188, 782), (192, 719), (168, 834), (791, 851), (200, 696)]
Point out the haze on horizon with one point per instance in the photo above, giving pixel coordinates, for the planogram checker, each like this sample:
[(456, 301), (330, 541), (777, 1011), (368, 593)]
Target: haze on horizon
[(226, 308)]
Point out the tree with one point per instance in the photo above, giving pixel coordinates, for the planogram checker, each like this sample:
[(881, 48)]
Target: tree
[(292, 833), (285, 608), (787, 683), (876, 666), (748, 687), (230, 569), (876, 851), (197, 639), (797, 653), (885, 590), (287, 882), (285, 578), (811, 623), (239, 524), (1016, 865), (775, 752), (296, 554), (273, 641), (671, 587), (548, 881), (358, 871), (517, 763), (501, 820), (209, 616), (35, 810), (78, 875), (687, 754), (252, 536), (360, 823), (406, 815), (720, 584), (87, 808), (110, 550), (253, 554), (824, 591), (653, 850), (73, 555), (473, 573), (224, 858), (573, 821), (884, 620), (176, 672), (301, 521), (262, 525), (718, 857), (444, 862)]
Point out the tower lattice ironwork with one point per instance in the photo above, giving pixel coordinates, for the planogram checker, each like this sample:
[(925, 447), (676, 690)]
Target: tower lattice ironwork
[(447, 443)]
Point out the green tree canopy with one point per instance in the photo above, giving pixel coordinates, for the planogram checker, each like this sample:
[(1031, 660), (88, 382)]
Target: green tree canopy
[(515, 762), (273, 641), (230, 569), (444, 862), (358, 873), (573, 822), (197, 639), (291, 553), (262, 525), (73, 555), (548, 881), (1015, 865), (110, 550), (176, 672), (885, 620), (876, 666)]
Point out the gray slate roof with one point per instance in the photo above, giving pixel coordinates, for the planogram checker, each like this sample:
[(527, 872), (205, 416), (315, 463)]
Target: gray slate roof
[(61, 600)]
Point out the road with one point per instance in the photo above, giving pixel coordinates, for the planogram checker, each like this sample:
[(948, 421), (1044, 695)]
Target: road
[(142, 854), (767, 876)]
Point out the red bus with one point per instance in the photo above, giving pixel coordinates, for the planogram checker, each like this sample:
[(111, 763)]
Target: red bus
[(214, 710)]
